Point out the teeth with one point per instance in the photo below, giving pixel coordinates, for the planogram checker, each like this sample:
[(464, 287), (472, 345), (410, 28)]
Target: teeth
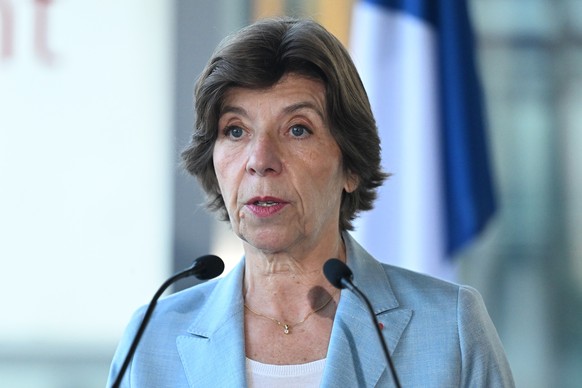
[(266, 203)]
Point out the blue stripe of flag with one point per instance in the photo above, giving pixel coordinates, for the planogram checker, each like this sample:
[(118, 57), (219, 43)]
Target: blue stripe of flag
[(468, 184)]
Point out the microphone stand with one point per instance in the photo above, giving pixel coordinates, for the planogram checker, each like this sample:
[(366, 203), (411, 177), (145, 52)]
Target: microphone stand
[(350, 286), (340, 276), (205, 267)]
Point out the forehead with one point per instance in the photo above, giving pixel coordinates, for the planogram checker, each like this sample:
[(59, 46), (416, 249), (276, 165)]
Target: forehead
[(292, 89)]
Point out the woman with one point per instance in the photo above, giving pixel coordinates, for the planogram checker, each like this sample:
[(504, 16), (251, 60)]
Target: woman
[(286, 148)]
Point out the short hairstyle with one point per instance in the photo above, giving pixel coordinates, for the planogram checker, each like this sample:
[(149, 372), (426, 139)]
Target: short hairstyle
[(257, 57)]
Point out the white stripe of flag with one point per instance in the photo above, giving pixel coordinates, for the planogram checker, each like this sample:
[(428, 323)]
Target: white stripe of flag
[(397, 51)]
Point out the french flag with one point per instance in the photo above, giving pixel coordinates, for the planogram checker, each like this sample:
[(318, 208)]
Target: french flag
[(416, 59)]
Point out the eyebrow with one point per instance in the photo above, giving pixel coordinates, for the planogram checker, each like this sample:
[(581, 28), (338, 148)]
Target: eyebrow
[(288, 110), (304, 105), (233, 109)]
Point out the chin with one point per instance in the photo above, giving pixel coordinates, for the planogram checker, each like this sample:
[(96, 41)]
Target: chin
[(268, 242)]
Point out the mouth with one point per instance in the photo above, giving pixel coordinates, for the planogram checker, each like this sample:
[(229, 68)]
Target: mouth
[(266, 206), (266, 203)]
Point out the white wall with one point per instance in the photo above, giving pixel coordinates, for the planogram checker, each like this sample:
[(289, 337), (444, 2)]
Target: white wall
[(86, 149)]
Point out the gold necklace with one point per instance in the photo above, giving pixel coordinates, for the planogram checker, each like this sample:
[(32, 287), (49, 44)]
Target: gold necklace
[(288, 326)]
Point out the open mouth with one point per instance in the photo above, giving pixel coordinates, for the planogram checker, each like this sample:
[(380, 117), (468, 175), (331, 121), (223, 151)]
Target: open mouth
[(265, 203)]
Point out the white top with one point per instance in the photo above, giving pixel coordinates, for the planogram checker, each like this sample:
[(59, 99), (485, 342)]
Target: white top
[(284, 376)]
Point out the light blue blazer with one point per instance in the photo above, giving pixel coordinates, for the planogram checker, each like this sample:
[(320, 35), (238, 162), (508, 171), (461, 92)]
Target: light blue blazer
[(439, 334)]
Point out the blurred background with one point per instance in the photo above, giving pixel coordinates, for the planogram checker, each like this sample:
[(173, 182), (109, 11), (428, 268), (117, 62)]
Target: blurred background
[(96, 104)]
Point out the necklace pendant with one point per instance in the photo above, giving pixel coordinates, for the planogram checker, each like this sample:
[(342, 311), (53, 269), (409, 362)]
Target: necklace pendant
[(286, 329)]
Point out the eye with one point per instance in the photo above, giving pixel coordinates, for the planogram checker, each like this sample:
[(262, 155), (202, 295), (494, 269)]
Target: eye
[(233, 132), (299, 131)]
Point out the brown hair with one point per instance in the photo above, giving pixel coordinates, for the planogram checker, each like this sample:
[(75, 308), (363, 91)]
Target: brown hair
[(257, 57)]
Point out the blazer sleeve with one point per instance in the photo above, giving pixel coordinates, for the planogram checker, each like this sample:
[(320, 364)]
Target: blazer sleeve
[(484, 363)]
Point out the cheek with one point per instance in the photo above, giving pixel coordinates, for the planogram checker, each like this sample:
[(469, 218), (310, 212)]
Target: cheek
[(221, 177), (328, 169), (326, 183), (225, 166)]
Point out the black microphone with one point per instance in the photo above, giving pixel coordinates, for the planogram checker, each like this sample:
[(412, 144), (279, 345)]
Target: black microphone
[(204, 268), (340, 276)]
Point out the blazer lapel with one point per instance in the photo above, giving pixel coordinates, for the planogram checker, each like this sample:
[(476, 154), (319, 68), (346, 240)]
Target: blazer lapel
[(355, 355), (213, 351)]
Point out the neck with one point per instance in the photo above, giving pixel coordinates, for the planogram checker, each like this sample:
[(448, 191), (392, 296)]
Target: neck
[(287, 286)]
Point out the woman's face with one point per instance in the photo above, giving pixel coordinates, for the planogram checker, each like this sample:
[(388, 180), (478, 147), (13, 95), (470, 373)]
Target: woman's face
[(278, 167)]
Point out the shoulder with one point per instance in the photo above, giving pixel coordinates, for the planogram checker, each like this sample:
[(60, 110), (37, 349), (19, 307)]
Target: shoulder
[(171, 317), (432, 297), (452, 319), (188, 300), (412, 290), (413, 287), (449, 325), (174, 312)]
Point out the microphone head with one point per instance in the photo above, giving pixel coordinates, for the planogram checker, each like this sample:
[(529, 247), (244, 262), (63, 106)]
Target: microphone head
[(207, 267), (335, 271)]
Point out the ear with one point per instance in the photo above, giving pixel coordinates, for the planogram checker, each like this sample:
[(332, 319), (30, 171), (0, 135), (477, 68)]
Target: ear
[(352, 182)]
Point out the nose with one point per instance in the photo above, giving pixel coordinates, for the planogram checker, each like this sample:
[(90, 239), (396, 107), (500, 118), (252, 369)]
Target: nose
[(264, 157)]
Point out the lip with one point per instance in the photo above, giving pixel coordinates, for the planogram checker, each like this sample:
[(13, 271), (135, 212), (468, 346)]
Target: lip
[(261, 211)]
